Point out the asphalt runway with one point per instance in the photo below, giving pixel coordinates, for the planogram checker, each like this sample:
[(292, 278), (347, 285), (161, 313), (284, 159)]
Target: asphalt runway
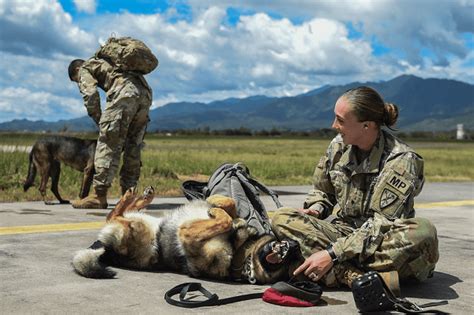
[(38, 241)]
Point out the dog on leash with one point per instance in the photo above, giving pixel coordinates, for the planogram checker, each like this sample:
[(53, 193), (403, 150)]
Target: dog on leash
[(46, 157), (203, 238)]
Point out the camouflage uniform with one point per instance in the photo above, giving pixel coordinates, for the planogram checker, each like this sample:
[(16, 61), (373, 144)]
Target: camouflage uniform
[(122, 124), (366, 211)]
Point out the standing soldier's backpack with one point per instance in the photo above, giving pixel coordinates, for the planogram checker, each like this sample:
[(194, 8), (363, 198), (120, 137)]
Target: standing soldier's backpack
[(234, 181), (128, 54)]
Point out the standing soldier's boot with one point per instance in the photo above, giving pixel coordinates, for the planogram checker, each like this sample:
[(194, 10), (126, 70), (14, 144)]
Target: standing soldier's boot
[(97, 200)]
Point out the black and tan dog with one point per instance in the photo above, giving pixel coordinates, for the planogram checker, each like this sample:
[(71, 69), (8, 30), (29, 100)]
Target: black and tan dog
[(47, 155), (203, 238)]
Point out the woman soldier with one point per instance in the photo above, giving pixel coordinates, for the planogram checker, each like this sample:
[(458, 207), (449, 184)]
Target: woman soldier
[(359, 216)]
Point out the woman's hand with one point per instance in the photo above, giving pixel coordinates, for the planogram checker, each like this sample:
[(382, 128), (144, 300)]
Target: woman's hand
[(316, 265), (312, 212)]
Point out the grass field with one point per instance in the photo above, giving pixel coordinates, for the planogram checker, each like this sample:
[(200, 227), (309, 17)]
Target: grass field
[(168, 161)]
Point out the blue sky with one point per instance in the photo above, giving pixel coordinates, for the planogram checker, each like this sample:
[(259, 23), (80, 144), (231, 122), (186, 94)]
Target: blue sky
[(215, 49)]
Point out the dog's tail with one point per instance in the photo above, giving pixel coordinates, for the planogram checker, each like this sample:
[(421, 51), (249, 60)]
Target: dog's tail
[(93, 262), (30, 179)]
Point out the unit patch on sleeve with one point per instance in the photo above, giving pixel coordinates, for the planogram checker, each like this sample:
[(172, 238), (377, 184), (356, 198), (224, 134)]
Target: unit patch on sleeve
[(388, 197), (399, 183)]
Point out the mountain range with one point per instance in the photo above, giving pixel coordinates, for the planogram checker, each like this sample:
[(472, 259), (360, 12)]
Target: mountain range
[(425, 105)]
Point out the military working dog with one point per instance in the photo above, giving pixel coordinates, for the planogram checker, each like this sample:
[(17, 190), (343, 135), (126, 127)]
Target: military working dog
[(46, 157), (203, 238)]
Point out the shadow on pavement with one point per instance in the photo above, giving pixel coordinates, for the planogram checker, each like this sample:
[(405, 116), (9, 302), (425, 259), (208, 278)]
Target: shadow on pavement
[(438, 287)]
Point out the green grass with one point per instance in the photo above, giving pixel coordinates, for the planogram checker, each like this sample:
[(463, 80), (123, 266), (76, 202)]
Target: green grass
[(168, 161)]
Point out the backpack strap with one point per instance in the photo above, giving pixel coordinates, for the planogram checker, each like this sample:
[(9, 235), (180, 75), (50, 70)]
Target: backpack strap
[(266, 190), (193, 189), (212, 298)]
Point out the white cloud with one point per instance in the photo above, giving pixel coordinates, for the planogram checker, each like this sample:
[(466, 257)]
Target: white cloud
[(40, 28), (87, 6), (261, 70), (407, 26), (36, 73), (205, 54), (23, 103), (204, 57)]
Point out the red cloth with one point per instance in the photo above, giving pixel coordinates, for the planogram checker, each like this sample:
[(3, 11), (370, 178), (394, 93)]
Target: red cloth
[(273, 296)]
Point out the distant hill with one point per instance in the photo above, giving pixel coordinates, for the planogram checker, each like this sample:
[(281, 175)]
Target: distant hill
[(425, 104)]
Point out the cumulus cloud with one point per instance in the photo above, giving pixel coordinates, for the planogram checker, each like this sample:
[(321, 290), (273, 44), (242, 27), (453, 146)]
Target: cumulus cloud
[(278, 49), (409, 27), (87, 6), (21, 102), (205, 56), (40, 28)]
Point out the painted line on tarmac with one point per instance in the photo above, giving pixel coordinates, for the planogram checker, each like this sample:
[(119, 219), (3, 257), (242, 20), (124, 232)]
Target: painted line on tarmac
[(65, 227), (50, 228), (457, 203)]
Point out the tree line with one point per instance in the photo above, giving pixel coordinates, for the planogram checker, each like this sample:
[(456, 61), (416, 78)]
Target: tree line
[(315, 133)]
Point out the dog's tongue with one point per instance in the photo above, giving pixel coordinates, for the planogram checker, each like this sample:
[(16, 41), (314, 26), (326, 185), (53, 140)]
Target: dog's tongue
[(273, 258)]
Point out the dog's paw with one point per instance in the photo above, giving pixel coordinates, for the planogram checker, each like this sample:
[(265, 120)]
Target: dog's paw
[(238, 223), (212, 212), (240, 231), (223, 202), (146, 198), (130, 193), (149, 191), (252, 232)]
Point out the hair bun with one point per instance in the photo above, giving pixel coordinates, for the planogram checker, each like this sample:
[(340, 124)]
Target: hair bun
[(390, 114)]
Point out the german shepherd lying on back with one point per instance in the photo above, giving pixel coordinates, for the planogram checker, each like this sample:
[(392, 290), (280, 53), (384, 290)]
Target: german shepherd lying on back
[(47, 155), (201, 238)]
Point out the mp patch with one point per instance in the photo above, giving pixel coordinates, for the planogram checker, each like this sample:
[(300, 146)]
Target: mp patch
[(388, 197), (399, 183)]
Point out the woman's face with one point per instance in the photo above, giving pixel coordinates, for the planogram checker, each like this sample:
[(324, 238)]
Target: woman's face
[(346, 123)]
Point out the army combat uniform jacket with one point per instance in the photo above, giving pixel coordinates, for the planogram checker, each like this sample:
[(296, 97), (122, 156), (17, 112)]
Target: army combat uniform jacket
[(366, 209), (99, 73), (123, 123)]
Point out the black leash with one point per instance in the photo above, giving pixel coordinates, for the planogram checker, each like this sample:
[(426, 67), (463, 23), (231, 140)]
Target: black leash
[(212, 298)]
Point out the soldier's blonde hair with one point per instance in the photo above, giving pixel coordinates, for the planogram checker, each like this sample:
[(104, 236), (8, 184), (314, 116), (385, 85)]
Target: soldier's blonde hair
[(368, 105)]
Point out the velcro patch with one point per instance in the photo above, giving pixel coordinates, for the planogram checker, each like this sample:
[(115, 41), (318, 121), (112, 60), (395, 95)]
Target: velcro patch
[(399, 183), (388, 197)]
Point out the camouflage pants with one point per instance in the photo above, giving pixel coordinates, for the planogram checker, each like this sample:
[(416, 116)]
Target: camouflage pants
[(409, 246), (122, 129)]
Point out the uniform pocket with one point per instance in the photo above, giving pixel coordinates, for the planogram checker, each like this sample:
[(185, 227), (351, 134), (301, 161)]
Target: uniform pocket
[(110, 125)]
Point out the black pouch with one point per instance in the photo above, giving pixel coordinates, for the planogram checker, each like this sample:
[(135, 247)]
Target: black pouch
[(371, 294)]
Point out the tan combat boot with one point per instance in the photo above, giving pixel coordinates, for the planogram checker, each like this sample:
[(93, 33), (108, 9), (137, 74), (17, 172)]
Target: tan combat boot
[(97, 200), (346, 273), (392, 281)]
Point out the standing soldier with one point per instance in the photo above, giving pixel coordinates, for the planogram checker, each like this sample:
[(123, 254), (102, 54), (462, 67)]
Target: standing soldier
[(122, 125), (359, 216)]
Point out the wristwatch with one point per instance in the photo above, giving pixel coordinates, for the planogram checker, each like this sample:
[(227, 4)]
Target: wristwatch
[(331, 252)]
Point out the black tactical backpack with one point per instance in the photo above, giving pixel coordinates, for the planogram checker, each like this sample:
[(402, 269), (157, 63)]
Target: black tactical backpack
[(128, 54), (234, 181)]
